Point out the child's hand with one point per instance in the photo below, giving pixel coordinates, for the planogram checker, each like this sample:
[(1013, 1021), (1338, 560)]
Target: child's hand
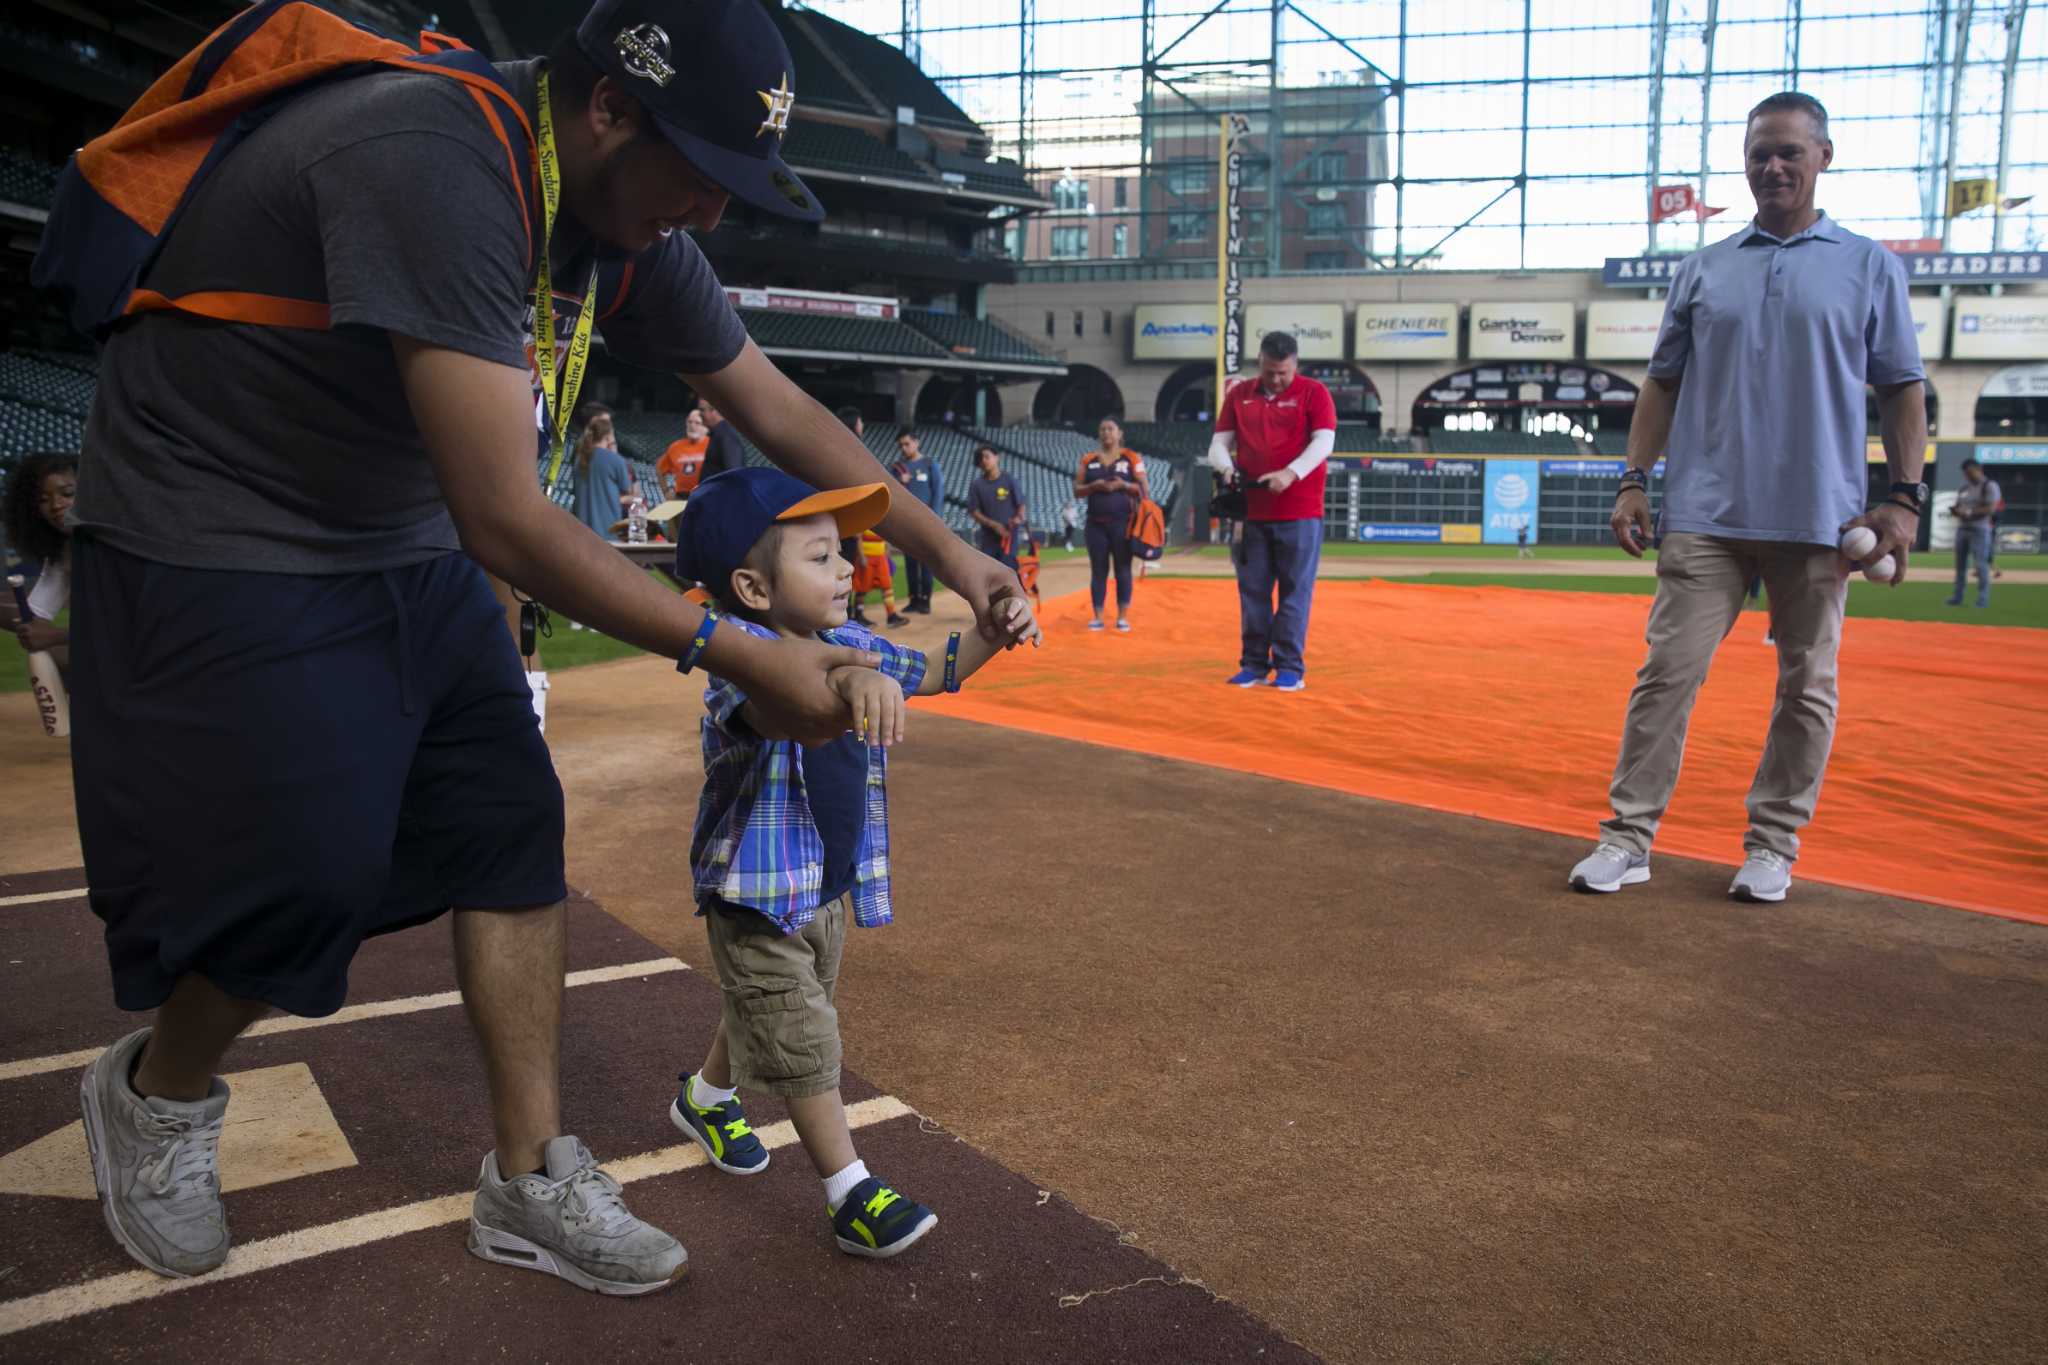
[(876, 701), (1017, 623)]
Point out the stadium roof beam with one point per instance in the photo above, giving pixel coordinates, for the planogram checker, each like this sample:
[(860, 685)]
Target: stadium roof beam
[(915, 362)]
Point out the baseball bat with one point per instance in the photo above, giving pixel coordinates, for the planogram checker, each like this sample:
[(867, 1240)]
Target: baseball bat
[(43, 679)]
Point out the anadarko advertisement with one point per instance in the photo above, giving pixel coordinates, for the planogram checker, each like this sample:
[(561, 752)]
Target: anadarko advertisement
[(1173, 331), (1927, 325), (1522, 331), (1405, 331)]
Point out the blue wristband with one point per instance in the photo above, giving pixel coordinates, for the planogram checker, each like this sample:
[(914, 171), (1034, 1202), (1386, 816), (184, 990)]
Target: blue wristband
[(698, 642), (953, 662)]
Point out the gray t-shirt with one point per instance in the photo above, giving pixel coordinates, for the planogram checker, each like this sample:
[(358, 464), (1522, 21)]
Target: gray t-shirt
[(229, 446), (1975, 502)]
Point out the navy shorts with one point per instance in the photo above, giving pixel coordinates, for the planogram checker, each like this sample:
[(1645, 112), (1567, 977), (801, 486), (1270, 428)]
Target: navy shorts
[(271, 768)]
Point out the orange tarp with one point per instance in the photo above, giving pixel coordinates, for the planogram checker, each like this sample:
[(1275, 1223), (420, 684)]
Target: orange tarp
[(1507, 704)]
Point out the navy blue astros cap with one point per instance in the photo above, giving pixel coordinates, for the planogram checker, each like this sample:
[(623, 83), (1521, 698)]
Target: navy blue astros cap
[(717, 79), (728, 512)]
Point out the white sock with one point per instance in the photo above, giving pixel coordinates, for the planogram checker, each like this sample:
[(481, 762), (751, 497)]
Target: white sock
[(837, 1187), (709, 1096)]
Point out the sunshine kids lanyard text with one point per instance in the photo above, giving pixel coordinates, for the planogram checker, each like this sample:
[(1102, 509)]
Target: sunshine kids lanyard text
[(560, 407)]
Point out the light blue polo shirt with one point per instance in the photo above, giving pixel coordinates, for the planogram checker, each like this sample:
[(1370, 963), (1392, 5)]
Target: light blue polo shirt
[(1776, 338)]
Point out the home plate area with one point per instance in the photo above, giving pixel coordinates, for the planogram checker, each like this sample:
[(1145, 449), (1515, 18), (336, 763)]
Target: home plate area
[(351, 1149)]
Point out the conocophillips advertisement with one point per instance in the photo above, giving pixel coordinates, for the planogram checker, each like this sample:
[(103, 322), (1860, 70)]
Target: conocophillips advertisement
[(1173, 331), (1927, 325), (2006, 328), (1317, 328), (1522, 331), (1405, 331), (1513, 490)]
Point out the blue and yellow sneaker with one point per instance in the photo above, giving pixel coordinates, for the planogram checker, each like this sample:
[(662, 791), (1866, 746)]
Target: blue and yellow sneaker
[(876, 1221), (721, 1130)]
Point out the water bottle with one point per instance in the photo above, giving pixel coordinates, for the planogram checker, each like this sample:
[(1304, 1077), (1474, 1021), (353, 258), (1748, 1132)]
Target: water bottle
[(636, 521)]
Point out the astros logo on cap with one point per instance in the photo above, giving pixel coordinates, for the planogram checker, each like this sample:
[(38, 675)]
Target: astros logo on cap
[(643, 50), (780, 101)]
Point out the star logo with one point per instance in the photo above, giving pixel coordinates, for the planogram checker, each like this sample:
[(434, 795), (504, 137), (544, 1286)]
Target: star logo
[(779, 101)]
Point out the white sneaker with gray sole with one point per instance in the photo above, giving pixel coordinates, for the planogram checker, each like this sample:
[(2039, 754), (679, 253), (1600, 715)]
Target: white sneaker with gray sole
[(1609, 868), (569, 1219), (155, 1165), (1763, 876)]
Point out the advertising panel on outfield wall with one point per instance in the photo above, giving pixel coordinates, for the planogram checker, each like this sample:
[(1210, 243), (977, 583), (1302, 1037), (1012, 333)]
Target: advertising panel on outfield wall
[(1522, 331), (1933, 337), (1405, 331), (1513, 490), (2009, 328), (1318, 328), (1173, 331), (1623, 329), (2018, 381)]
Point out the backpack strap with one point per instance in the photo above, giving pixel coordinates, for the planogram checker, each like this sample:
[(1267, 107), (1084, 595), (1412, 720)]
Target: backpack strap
[(621, 288), (122, 195)]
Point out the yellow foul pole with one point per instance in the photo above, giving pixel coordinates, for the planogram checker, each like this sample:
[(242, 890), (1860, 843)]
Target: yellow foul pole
[(1224, 364)]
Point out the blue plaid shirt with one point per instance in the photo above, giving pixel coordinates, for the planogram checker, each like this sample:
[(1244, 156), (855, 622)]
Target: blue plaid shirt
[(756, 843)]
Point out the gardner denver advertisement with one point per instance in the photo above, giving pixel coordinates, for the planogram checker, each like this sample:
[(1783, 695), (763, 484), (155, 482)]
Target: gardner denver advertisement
[(1523, 331)]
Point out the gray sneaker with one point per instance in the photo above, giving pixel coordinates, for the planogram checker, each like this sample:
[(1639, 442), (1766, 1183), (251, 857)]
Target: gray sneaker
[(1609, 868), (1763, 876), (154, 1163), (570, 1220)]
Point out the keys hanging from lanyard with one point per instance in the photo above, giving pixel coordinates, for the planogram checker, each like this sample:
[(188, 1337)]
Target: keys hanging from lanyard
[(561, 406)]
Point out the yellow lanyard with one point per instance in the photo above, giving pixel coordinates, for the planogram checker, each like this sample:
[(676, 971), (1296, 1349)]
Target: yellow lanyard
[(563, 405)]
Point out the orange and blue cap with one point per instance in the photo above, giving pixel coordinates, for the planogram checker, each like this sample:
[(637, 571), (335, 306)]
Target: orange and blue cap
[(729, 512)]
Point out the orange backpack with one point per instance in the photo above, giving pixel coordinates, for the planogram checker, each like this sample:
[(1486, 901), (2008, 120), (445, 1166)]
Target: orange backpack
[(121, 196), (1147, 530)]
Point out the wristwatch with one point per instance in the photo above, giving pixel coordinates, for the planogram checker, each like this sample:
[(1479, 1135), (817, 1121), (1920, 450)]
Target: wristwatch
[(1916, 493), (1634, 478)]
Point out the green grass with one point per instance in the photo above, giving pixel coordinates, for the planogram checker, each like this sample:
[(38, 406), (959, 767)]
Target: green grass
[(1345, 549), (1353, 549), (2012, 604)]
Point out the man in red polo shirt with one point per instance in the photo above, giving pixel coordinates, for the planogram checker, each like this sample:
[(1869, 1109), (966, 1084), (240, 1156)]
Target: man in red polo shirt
[(1276, 432)]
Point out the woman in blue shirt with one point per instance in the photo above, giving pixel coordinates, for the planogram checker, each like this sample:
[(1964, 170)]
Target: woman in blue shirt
[(604, 482)]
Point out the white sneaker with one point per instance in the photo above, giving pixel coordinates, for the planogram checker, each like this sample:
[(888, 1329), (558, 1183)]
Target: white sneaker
[(1609, 868), (1763, 876), (155, 1164), (569, 1220)]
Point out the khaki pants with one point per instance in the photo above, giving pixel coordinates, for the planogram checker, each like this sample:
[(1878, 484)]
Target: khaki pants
[(1700, 586), (781, 1027)]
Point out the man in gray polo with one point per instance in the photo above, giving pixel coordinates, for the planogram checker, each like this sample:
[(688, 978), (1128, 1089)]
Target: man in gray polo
[(1756, 396), (1977, 502)]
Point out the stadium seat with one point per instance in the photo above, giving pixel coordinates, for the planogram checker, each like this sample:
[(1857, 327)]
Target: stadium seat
[(976, 337)]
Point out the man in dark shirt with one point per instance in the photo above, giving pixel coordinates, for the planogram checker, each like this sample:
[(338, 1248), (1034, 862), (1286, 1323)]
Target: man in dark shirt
[(725, 451), (996, 506), (923, 481), (301, 720)]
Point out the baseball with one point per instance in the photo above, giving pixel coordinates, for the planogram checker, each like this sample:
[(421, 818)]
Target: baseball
[(1858, 542), (1882, 571)]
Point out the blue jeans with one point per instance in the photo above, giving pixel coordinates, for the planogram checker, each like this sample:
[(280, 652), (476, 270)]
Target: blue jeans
[(1281, 554), (917, 577), (1109, 544), (1973, 541)]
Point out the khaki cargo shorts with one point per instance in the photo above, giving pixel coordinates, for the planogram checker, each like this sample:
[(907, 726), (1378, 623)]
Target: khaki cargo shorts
[(780, 1025)]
